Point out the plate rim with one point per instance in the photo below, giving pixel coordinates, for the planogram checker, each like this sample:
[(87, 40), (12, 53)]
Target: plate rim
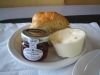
[(84, 56), (45, 65)]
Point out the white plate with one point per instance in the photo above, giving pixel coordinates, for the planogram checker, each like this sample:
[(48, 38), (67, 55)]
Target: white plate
[(52, 61), (88, 64)]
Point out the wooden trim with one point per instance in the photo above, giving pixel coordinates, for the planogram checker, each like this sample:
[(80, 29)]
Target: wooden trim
[(28, 3), (82, 2)]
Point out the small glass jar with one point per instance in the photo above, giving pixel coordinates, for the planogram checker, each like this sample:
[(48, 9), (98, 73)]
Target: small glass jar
[(34, 44)]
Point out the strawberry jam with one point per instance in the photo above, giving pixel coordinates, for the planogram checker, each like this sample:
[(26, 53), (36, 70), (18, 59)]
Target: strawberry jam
[(34, 44)]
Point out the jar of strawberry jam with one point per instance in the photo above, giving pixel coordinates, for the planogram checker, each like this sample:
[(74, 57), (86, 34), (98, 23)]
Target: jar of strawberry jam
[(34, 44)]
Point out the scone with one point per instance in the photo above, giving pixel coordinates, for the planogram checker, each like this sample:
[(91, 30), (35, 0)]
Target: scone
[(49, 21)]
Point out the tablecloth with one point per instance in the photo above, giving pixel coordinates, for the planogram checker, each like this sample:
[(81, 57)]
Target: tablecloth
[(10, 66)]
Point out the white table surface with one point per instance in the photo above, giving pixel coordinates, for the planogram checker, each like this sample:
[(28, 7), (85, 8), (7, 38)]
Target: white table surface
[(28, 12)]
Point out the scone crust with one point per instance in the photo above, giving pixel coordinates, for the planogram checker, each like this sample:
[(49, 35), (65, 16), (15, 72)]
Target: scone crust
[(49, 21)]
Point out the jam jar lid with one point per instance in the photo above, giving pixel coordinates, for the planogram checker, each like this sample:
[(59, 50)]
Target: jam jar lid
[(38, 34)]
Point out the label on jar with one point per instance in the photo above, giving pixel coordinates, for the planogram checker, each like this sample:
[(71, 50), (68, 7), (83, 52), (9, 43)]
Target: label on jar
[(32, 53), (33, 43)]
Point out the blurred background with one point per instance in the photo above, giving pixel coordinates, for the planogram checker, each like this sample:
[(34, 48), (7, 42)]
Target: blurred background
[(28, 3)]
